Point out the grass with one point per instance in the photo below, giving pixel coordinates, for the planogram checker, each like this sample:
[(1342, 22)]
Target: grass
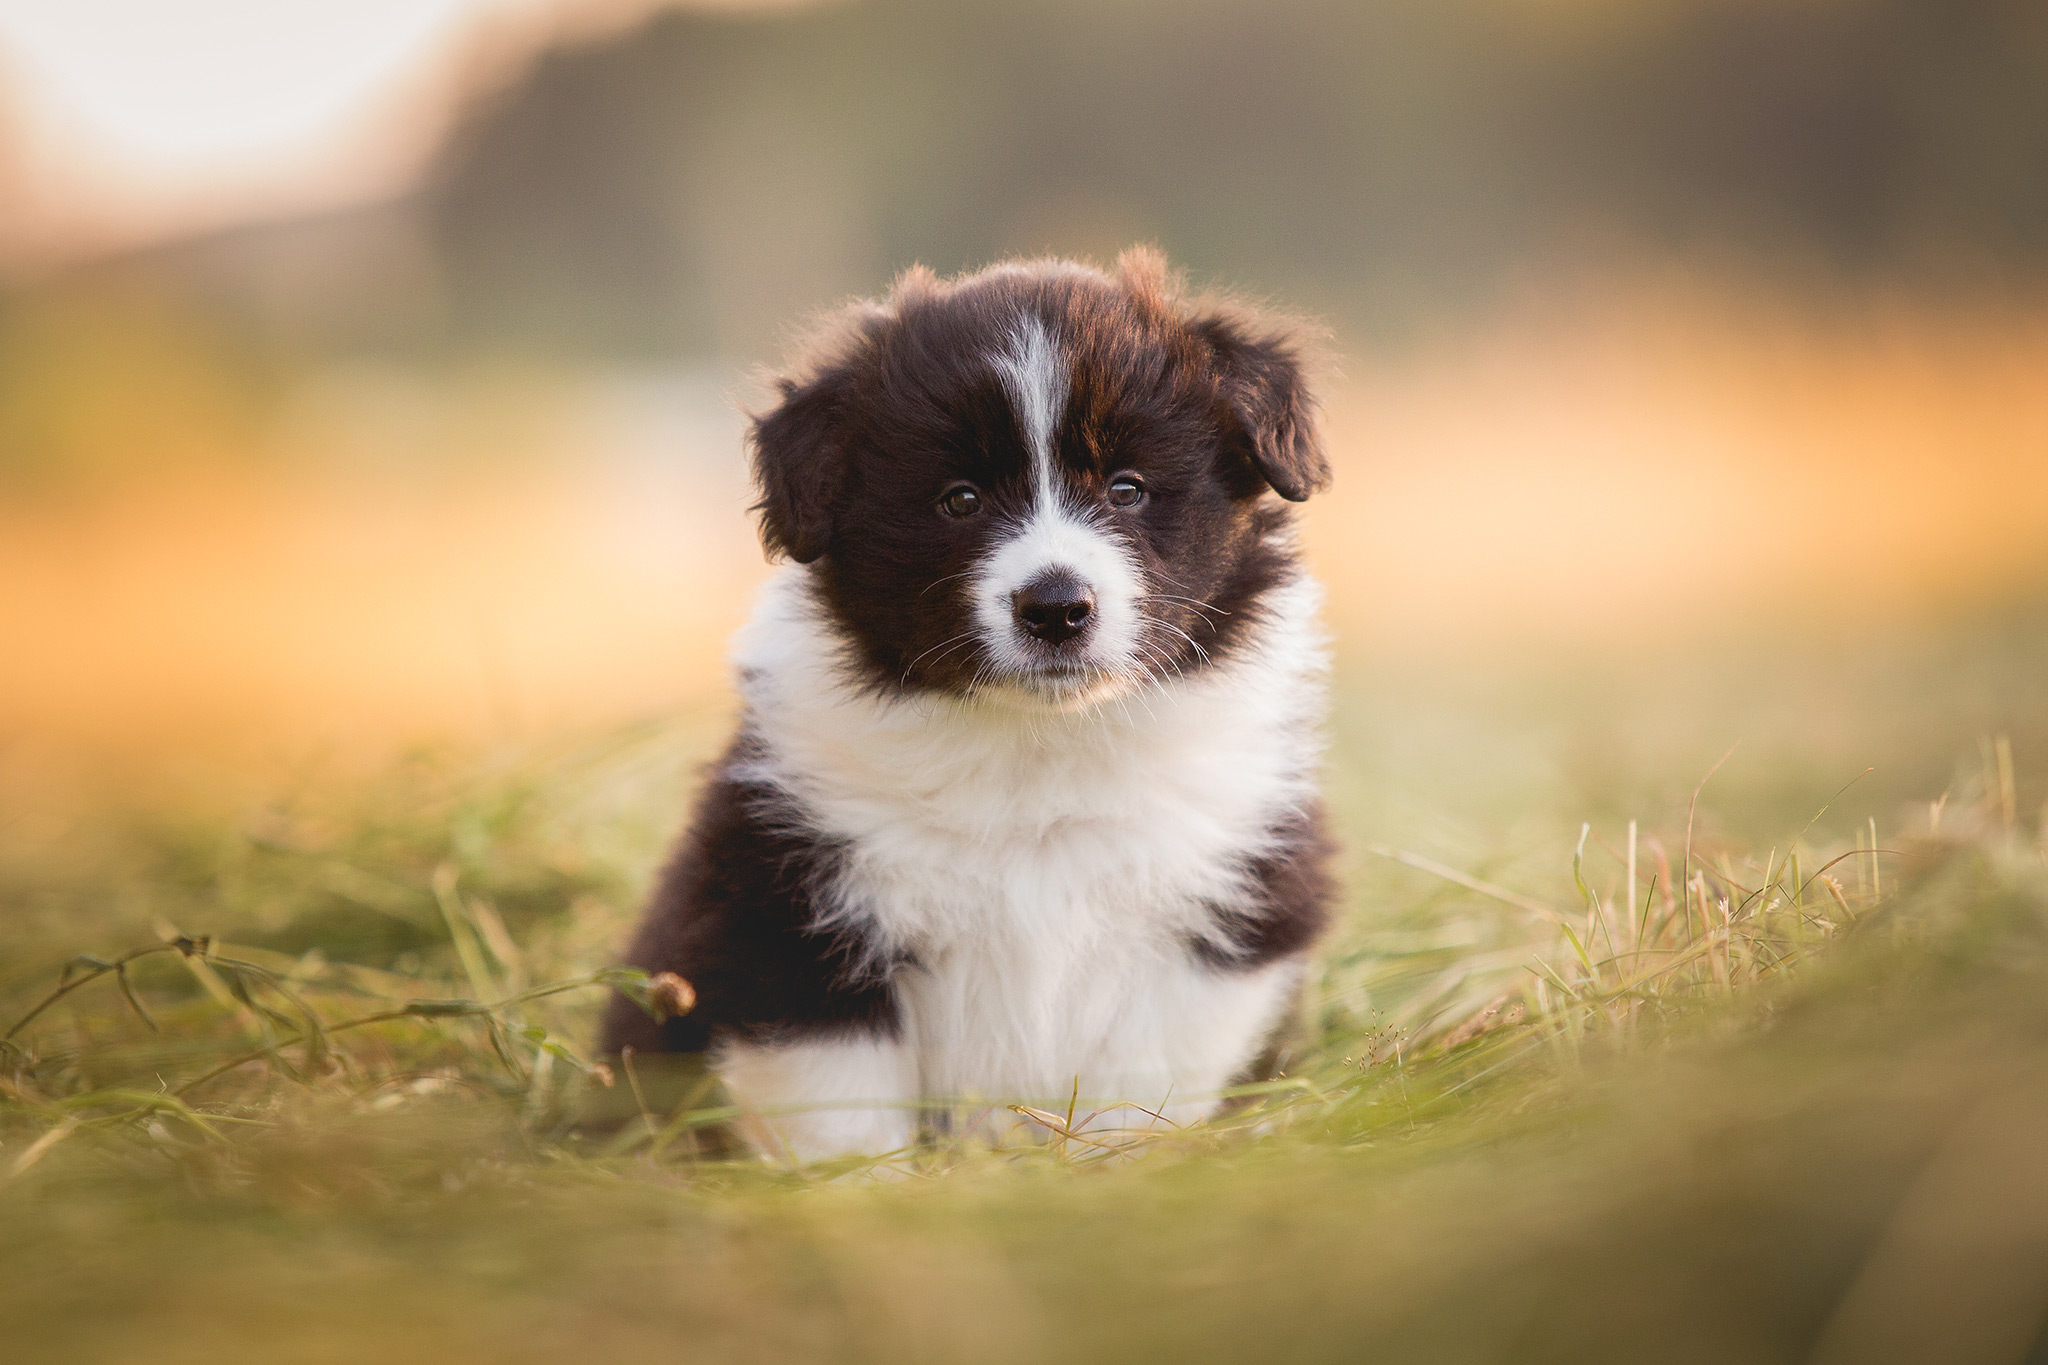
[(1605, 1062)]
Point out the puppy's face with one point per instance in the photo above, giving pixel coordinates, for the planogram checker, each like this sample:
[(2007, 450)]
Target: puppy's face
[(1040, 483)]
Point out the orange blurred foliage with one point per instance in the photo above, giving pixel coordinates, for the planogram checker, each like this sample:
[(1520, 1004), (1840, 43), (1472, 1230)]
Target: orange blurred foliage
[(1601, 477)]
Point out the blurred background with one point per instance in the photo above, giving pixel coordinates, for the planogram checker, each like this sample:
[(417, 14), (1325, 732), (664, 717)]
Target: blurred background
[(372, 371)]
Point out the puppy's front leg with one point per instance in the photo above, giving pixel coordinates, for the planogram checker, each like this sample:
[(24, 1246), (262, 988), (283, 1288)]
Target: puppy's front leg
[(845, 1095)]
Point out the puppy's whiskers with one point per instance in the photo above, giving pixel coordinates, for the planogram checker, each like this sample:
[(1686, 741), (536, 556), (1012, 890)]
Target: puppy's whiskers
[(1167, 625), (947, 579), (947, 645), (1190, 601)]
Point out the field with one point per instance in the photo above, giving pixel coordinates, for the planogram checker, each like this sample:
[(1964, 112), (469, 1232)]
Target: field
[(1690, 1000)]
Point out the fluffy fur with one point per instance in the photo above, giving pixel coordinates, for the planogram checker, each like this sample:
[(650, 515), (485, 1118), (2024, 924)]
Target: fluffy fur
[(1023, 799)]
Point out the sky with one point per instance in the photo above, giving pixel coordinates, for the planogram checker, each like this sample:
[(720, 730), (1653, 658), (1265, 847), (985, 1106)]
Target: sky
[(123, 120)]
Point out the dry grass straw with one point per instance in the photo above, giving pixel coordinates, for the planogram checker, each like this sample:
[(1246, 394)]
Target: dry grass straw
[(134, 1057)]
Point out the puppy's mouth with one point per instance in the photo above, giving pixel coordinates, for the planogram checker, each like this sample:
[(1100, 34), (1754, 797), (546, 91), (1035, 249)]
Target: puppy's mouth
[(1058, 683), (1059, 676)]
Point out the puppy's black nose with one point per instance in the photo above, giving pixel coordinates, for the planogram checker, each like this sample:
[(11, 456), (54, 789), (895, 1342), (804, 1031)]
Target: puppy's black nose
[(1054, 607)]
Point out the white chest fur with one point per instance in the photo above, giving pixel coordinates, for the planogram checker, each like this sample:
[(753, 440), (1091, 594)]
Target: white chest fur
[(1044, 872)]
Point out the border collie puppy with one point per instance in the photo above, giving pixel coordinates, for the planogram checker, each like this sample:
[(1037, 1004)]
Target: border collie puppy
[(1022, 806)]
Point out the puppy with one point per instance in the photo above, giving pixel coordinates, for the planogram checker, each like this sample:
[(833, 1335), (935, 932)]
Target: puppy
[(1023, 800)]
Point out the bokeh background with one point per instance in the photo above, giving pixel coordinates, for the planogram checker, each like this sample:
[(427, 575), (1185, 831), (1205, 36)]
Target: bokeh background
[(372, 372)]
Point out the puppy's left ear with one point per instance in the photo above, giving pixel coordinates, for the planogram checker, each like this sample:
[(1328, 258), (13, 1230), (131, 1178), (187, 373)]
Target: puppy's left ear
[(800, 465), (1267, 394)]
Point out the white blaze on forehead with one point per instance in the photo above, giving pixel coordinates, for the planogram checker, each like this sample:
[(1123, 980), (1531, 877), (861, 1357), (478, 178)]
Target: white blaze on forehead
[(1034, 373), (1056, 535)]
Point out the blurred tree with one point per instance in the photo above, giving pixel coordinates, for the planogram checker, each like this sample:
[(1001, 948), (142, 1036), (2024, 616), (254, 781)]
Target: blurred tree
[(693, 185)]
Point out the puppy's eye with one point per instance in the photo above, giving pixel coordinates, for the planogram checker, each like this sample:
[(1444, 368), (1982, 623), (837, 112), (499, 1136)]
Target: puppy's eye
[(1126, 490), (961, 500)]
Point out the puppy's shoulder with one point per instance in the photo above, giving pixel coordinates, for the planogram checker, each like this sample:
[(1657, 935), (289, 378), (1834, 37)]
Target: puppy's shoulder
[(737, 912)]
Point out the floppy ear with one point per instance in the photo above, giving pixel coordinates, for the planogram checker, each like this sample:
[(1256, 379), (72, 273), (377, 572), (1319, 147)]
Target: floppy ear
[(1268, 398), (800, 465)]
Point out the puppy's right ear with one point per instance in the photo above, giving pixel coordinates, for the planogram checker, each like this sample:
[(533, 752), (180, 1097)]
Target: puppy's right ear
[(800, 465)]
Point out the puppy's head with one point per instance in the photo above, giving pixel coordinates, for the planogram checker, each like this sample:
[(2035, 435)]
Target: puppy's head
[(1041, 482)]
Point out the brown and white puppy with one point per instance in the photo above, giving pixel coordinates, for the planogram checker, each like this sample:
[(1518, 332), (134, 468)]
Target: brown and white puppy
[(1023, 798)]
